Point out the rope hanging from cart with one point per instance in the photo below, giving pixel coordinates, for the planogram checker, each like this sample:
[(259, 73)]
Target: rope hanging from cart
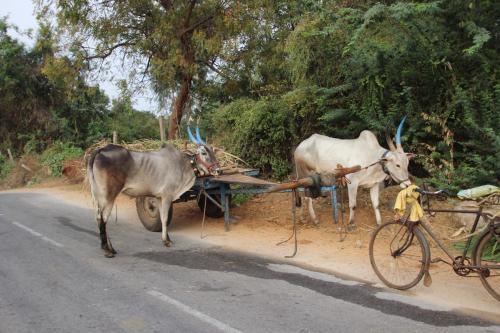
[(315, 181)]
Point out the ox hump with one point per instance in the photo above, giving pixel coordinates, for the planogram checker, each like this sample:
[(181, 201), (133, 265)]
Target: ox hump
[(113, 157), (368, 138)]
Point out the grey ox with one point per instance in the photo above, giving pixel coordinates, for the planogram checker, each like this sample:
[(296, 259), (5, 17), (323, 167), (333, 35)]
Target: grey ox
[(322, 154), (165, 174)]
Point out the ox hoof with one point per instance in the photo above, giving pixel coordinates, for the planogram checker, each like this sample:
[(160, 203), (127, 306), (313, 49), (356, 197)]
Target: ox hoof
[(109, 254), (167, 243), (108, 248)]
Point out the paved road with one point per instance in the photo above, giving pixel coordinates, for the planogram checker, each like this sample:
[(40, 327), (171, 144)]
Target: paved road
[(54, 278)]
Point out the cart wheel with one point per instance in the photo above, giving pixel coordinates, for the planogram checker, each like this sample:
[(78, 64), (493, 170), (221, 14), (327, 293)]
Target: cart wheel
[(212, 209), (149, 213)]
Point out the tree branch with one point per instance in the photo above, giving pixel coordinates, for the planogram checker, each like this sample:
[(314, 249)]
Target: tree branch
[(109, 51), (147, 67), (216, 70), (166, 4), (197, 24), (189, 13)]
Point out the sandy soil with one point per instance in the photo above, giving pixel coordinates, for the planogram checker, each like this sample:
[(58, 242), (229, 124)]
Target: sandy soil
[(265, 220)]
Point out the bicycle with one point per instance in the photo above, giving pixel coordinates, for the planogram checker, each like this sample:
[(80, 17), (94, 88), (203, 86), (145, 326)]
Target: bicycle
[(400, 253)]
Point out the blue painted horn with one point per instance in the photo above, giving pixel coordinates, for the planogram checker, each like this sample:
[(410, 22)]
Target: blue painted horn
[(398, 133), (191, 137), (198, 136)]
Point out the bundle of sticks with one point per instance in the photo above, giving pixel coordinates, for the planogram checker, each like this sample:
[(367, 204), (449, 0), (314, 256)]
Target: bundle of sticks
[(226, 160)]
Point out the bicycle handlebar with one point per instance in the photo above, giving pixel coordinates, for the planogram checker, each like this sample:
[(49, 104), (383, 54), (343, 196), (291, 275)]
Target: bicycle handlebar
[(439, 192)]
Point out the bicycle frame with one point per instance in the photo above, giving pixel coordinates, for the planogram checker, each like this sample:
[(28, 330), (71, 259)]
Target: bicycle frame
[(399, 235), (457, 262)]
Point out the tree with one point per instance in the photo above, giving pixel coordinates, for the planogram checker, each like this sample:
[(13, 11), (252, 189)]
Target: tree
[(44, 96), (176, 42), (363, 64), (24, 94), (129, 123), (76, 106)]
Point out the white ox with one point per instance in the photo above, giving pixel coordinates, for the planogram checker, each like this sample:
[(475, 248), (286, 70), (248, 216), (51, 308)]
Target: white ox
[(322, 154)]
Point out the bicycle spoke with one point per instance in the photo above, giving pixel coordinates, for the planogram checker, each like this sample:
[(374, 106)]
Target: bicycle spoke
[(397, 256), (487, 256)]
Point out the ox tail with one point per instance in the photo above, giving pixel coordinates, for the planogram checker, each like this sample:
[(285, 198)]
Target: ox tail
[(298, 198), (90, 173)]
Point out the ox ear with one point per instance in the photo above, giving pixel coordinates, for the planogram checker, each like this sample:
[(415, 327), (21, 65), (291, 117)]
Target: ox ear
[(387, 158), (410, 155)]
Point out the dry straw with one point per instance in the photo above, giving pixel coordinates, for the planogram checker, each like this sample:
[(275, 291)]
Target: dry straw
[(226, 160)]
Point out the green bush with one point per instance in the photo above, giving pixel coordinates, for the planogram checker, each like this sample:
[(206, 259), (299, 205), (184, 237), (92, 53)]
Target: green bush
[(259, 132), (491, 251), (367, 64), (265, 133), (240, 198), (57, 154), (6, 166)]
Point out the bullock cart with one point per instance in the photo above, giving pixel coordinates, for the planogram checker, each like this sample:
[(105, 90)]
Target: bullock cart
[(214, 193)]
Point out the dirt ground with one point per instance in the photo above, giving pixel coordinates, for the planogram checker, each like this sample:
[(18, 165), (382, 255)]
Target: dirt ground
[(266, 220)]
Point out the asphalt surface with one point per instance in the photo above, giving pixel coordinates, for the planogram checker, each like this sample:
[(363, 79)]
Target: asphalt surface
[(54, 278)]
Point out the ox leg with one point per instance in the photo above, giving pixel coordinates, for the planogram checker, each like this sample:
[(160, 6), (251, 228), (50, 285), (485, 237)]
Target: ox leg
[(352, 190), (102, 218), (164, 208), (302, 212), (374, 195), (312, 213)]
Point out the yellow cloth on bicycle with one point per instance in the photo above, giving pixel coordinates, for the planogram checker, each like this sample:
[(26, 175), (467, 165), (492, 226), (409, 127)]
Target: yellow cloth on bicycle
[(409, 196)]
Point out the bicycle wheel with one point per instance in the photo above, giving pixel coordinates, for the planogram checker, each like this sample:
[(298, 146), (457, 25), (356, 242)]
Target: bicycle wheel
[(487, 256), (399, 255)]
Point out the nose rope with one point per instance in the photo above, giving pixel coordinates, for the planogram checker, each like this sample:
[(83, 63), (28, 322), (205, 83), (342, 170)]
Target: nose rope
[(384, 167), (381, 162), (205, 164)]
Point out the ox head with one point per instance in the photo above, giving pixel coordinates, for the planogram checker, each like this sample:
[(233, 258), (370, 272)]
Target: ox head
[(205, 159), (395, 161)]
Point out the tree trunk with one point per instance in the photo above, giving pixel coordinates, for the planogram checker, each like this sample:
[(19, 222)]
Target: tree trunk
[(10, 154), (188, 55), (180, 102)]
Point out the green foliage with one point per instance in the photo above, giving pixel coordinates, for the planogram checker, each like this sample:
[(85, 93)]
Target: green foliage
[(264, 132), (263, 76), (491, 251), (57, 154), (6, 166), (134, 126), (129, 123), (44, 97), (240, 198), (479, 37), (367, 65), (259, 132)]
